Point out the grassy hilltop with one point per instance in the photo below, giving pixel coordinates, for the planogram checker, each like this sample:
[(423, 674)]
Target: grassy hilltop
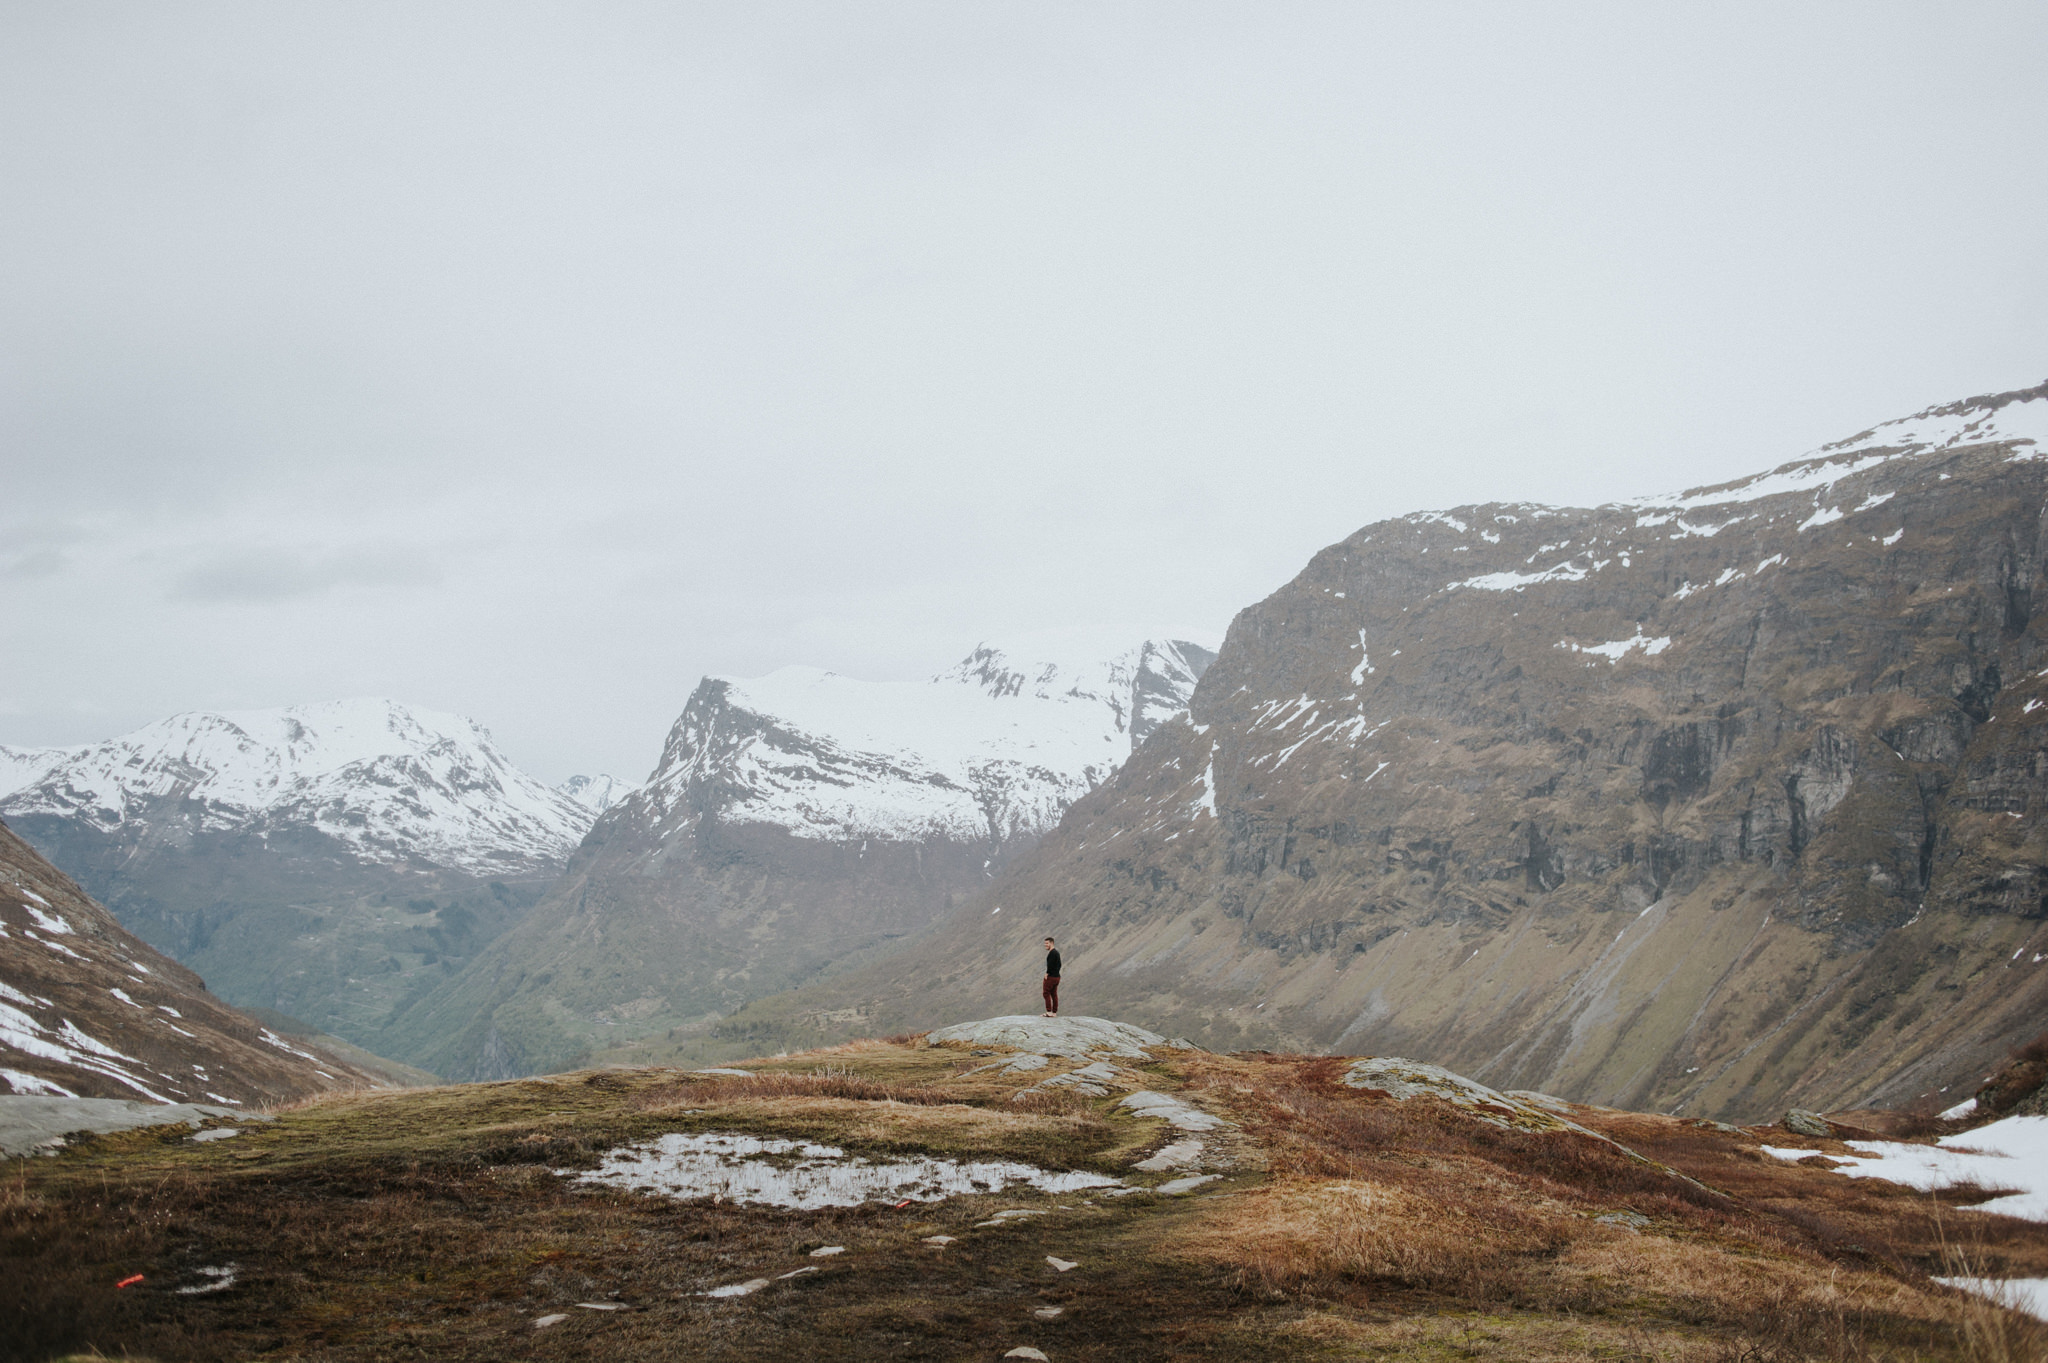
[(440, 1223)]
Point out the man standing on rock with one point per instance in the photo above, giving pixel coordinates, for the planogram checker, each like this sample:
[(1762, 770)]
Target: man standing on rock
[(1052, 979)]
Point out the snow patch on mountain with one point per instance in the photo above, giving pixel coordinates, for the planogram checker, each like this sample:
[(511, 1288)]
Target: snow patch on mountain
[(2018, 418), (391, 783), (20, 767), (988, 751), (595, 793)]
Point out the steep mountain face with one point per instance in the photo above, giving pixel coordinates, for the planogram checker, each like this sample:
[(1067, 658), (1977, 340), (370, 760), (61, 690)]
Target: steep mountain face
[(794, 822), (1706, 803), (329, 861), (88, 1011)]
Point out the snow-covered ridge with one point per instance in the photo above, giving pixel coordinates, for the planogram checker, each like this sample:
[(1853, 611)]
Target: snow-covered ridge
[(2018, 418), (393, 783), (595, 793), (1807, 495), (986, 752)]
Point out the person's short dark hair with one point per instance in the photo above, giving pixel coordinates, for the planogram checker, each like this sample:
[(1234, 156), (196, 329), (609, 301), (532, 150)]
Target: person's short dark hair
[(1048, 939)]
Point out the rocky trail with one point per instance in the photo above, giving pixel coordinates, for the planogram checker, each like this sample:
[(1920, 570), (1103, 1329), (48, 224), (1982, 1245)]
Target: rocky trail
[(1018, 1187)]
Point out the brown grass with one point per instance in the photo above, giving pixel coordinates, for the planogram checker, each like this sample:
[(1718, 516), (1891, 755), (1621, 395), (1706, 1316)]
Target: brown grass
[(434, 1223)]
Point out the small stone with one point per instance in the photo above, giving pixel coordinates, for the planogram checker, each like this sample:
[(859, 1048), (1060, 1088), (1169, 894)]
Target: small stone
[(1049, 1312), (543, 1322), (1027, 1353), (827, 1251), (1800, 1122), (1062, 1264), (1626, 1220), (939, 1240), (217, 1134)]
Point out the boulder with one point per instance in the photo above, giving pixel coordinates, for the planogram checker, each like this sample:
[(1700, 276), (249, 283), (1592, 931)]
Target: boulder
[(1800, 1122), (1075, 1038)]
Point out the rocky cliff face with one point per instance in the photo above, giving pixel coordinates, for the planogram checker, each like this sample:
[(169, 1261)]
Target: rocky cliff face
[(793, 823), (329, 861), (1697, 803), (88, 1011)]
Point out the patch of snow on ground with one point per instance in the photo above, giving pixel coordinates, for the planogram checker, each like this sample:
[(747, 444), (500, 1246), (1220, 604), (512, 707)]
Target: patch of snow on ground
[(29, 1083), (48, 922), (1822, 515), (2015, 1294), (805, 1176), (2010, 1153)]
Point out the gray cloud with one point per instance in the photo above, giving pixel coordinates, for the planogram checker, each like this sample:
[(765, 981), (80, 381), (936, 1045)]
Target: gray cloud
[(34, 563), (263, 575)]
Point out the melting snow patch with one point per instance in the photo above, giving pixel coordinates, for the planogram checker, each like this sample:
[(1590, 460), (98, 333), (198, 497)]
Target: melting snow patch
[(48, 922), (807, 1176), (218, 1280), (1895, 536), (1960, 1110), (1822, 515), (1616, 649), (2012, 1153), (29, 1083), (2015, 1294), (1514, 582)]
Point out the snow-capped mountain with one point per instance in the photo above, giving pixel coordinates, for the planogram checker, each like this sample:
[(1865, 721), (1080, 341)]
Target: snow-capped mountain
[(389, 783), (25, 766), (987, 751), (595, 793), (794, 820)]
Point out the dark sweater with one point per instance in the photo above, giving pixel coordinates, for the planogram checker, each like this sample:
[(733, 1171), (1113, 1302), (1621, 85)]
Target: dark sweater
[(1052, 964)]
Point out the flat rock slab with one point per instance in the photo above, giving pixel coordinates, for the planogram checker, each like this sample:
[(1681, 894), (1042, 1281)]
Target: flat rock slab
[(1075, 1038), (27, 1121), (1185, 1154), (1175, 1113)]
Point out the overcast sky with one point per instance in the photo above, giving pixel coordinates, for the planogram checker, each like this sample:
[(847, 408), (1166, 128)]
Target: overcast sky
[(530, 361)]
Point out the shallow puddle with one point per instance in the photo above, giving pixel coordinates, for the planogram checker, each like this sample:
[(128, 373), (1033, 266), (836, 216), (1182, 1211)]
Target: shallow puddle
[(751, 1170)]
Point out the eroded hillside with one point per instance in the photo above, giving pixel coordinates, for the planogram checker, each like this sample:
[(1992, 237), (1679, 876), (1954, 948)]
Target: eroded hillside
[(89, 1011)]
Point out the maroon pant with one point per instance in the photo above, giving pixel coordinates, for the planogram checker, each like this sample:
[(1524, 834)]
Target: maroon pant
[(1052, 993)]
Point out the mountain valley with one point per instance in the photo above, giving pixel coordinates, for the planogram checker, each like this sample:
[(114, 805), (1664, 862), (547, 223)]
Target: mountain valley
[(1703, 803), (795, 824), (328, 861)]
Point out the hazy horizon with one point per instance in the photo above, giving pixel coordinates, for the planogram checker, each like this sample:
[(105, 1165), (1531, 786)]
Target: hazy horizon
[(531, 362)]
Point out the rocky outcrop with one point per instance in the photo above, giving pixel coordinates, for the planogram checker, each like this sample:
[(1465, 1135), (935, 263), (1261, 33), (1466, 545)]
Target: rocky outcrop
[(88, 1011), (1698, 803), (794, 823)]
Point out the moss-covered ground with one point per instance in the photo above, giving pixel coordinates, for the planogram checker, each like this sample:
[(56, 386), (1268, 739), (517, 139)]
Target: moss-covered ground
[(440, 1224)]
